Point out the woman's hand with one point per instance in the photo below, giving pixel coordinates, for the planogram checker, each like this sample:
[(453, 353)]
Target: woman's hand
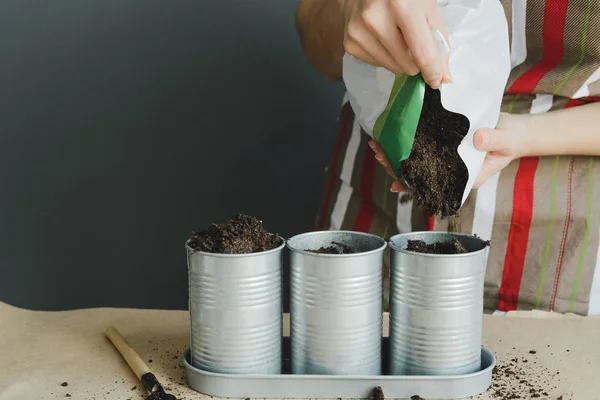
[(509, 141), (504, 144), (396, 35), (396, 186)]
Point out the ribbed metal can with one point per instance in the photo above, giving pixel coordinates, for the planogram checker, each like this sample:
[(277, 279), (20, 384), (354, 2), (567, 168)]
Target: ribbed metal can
[(436, 306), (336, 304), (235, 303)]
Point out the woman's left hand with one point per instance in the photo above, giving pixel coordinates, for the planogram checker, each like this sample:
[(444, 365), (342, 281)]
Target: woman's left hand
[(504, 144)]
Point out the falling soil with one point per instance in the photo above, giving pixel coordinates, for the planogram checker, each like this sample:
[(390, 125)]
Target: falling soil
[(405, 198), (434, 171), (453, 246), (244, 234), (336, 248)]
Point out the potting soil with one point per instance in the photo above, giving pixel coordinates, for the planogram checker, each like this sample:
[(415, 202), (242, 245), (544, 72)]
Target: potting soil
[(336, 248), (434, 171), (453, 246), (244, 234)]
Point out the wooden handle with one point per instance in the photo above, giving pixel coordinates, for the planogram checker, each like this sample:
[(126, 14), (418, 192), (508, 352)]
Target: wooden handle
[(137, 365)]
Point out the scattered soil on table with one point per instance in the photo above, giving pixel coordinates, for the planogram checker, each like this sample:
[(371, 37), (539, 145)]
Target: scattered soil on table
[(453, 246), (336, 248), (434, 171), (416, 397), (64, 384), (515, 379), (242, 235)]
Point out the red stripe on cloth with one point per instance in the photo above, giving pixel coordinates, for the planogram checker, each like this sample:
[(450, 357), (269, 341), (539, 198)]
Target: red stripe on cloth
[(367, 209), (518, 235), (565, 234), (430, 223), (334, 162), (555, 16), (582, 101)]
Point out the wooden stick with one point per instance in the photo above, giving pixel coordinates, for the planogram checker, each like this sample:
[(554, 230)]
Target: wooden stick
[(137, 365)]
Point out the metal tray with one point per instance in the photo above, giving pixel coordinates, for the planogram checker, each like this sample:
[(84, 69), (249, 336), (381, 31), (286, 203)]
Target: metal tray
[(290, 386)]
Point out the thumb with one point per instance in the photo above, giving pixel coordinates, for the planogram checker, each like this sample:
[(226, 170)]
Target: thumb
[(487, 139)]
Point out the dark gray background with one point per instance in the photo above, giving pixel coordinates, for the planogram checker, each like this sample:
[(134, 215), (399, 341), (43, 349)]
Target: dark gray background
[(125, 125)]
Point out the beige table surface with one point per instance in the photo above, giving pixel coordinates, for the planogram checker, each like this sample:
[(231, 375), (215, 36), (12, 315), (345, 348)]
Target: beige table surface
[(41, 350)]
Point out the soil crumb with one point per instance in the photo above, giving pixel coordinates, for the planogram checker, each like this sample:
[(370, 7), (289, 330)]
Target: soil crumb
[(416, 397), (244, 234), (64, 384), (405, 198), (453, 246), (377, 394), (336, 248), (434, 171)]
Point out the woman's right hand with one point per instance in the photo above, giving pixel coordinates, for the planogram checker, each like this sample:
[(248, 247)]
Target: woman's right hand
[(396, 35)]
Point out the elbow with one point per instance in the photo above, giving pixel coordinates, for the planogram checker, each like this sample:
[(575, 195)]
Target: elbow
[(313, 49)]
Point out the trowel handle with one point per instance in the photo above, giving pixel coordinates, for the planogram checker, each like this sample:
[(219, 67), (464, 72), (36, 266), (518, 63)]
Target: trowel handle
[(137, 365)]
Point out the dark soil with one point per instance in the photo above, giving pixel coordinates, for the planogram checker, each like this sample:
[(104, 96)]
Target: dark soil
[(377, 394), (244, 234), (64, 384), (157, 392), (434, 171), (336, 248), (453, 246), (405, 198)]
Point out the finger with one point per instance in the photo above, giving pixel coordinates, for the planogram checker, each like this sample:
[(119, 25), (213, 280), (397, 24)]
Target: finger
[(376, 147), (397, 186), (359, 33), (386, 165), (416, 32), (436, 21), (486, 139), (382, 25), (352, 47)]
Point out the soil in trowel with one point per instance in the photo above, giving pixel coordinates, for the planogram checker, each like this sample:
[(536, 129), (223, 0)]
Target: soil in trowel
[(434, 171), (336, 248), (453, 246), (244, 234)]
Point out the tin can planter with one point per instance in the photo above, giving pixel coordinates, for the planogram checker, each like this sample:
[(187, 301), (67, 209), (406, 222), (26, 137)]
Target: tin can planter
[(236, 311), (436, 306), (336, 304)]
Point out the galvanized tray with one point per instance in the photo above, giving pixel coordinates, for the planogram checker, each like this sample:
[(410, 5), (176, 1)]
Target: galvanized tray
[(288, 386)]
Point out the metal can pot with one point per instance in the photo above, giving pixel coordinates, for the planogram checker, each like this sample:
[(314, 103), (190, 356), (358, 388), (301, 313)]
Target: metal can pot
[(436, 306), (235, 303), (336, 304)]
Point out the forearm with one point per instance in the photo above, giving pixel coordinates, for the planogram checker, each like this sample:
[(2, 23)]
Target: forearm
[(574, 131), (321, 28)]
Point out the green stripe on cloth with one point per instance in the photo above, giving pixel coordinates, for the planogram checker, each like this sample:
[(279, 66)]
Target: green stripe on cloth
[(512, 103), (552, 219), (571, 71), (586, 236)]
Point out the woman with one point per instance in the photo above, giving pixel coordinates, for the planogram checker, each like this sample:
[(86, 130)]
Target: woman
[(538, 195)]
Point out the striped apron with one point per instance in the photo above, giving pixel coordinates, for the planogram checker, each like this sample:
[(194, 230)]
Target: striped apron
[(542, 214)]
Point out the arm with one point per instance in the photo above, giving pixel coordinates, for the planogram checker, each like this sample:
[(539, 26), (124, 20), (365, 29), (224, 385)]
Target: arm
[(573, 131), (321, 28)]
